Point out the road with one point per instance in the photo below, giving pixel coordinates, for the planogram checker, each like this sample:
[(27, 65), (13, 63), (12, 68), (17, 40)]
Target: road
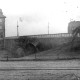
[(62, 64), (40, 70)]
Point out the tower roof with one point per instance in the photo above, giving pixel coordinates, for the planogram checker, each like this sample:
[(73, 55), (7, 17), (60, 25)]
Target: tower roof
[(1, 14)]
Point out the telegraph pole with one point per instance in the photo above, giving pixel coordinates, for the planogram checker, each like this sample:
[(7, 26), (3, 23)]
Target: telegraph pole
[(17, 29), (48, 27)]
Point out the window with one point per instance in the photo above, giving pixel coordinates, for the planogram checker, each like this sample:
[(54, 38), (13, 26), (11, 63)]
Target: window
[(0, 20), (0, 27)]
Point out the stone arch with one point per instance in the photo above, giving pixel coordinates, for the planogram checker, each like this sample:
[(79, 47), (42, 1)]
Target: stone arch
[(31, 47)]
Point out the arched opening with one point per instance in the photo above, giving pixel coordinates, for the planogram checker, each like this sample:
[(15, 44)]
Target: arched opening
[(31, 48)]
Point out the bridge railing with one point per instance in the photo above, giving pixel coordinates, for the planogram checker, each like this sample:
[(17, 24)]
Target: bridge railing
[(52, 35)]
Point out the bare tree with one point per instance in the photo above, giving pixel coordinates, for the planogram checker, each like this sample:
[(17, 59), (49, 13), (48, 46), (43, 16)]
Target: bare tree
[(75, 33)]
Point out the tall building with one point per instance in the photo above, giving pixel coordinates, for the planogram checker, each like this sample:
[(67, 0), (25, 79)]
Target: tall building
[(2, 24), (2, 29)]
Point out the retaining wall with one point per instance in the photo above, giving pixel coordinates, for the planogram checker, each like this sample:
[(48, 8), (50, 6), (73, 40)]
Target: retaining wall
[(11, 43)]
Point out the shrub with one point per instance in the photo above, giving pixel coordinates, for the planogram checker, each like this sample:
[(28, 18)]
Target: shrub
[(27, 44), (19, 52), (76, 45), (43, 47)]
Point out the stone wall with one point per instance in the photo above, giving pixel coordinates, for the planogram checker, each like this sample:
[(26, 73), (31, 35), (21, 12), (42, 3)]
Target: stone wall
[(11, 44)]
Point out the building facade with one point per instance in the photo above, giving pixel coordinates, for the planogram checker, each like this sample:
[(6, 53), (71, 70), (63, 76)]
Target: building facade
[(2, 24), (2, 29)]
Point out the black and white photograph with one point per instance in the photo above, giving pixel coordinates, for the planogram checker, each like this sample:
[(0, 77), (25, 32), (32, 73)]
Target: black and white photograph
[(39, 39)]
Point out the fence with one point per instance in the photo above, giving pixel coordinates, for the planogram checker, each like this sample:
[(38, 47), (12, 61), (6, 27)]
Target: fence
[(52, 35)]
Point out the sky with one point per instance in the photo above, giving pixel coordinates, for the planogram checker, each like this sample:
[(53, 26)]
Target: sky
[(34, 16)]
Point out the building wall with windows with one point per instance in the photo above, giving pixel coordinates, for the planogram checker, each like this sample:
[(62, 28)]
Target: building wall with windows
[(2, 28)]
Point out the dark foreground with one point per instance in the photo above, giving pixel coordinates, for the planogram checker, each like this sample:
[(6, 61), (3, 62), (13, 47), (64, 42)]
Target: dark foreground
[(40, 75), (40, 70)]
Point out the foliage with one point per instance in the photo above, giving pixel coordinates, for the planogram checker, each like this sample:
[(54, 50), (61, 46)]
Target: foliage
[(76, 45), (27, 44), (43, 47), (75, 33), (33, 45), (23, 41)]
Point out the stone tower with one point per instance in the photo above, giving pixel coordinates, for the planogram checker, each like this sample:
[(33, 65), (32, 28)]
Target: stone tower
[(72, 25)]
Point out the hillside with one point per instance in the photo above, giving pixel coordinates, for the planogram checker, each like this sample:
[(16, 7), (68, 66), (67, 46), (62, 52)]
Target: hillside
[(58, 52)]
